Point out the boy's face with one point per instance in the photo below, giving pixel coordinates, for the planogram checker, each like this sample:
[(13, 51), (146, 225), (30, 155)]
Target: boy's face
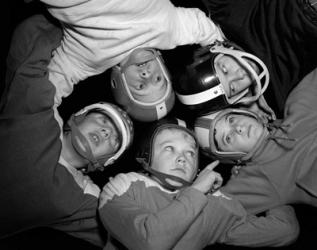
[(232, 75), (145, 77), (175, 153), (237, 133), (100, 133)]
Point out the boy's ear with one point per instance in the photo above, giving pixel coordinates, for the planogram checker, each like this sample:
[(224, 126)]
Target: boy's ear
[(142, 161)]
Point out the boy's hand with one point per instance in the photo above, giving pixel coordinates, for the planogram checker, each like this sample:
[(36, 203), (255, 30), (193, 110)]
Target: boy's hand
[(115, 186), (208, 180)]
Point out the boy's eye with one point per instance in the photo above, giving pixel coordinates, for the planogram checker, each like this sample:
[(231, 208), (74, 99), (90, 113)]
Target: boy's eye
[(158, 79), (169, 148), (228, 139), (231, 119), (142, 64), (191, 154), (116, 143), (140, 86), (104, 120), (232, 89)]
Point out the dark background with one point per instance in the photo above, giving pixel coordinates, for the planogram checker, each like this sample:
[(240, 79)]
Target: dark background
[(96, 89)]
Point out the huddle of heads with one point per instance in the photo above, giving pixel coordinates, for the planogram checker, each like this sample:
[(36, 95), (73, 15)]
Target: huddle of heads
[(220, 76)]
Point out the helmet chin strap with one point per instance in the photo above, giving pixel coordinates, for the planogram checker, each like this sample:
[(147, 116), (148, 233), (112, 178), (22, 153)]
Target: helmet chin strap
[(82, 147), (163, 178)]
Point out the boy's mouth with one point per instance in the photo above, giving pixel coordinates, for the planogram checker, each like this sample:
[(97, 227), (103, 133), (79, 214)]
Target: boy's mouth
[(142, 63), (180, 170), (94, 138)]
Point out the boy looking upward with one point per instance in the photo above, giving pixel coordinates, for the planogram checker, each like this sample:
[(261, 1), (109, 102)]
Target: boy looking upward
[(168, 207), (43, 162), (276, 160)]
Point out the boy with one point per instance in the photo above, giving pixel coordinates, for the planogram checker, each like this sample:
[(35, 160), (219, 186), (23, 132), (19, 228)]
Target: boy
[(42, 166), (275, 161), (142, 85), (282, 33), (222, 75), (168, 208), (99, 35)]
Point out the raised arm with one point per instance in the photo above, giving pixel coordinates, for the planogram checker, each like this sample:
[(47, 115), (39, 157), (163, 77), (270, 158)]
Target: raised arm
[(225, 221), (278, 227), (175, 25), (27, 88), (49, 193), (100, 34)]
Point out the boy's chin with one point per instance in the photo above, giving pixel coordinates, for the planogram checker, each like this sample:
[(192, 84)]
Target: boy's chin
[(174, 183)]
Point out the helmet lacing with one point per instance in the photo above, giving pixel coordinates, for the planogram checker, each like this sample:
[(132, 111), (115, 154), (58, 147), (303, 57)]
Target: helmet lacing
[(272, 128), (164, 177)]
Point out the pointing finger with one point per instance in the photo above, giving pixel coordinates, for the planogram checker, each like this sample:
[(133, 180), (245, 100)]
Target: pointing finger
[(212, 165)]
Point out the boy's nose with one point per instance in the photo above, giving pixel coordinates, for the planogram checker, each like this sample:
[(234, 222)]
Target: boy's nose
[(181, 159), (145, 73), (240, 73), (156, 79), (240, 129), (106, 132)]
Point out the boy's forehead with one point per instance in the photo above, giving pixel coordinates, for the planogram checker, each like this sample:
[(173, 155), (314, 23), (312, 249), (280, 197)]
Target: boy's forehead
[(221, 120), (230, 58), (220, 124), (138, 55), (168, 134), (218, 127), (97, 114)]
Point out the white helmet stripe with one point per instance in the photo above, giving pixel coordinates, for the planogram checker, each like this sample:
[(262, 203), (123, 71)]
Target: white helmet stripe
[(201, 97)]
